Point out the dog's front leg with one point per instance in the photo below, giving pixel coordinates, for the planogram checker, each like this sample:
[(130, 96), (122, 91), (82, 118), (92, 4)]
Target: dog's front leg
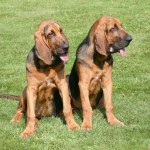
[(107, 91), (86, 106), (67, 110), (31, 120)]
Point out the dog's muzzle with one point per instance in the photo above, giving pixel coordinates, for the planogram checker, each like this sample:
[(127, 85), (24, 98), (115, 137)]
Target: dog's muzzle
[(120, 46)]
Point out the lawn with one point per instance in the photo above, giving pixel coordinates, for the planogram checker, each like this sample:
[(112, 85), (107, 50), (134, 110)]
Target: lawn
[(131, 75)]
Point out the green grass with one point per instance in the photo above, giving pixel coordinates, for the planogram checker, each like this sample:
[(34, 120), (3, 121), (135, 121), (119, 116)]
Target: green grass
[(131, 75)]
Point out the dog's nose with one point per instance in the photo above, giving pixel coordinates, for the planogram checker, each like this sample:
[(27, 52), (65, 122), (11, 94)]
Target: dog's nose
[(129, 38), (66, 47)]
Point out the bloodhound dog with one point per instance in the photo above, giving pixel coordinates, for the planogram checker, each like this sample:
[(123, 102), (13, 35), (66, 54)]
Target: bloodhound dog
[(46, 78), (90, 80)]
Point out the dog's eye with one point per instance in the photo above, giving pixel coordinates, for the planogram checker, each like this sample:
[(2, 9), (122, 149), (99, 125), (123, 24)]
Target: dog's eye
[(114, 29), (51, 34)]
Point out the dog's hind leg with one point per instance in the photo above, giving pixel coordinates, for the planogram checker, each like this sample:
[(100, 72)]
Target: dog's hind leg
[(21, 107)]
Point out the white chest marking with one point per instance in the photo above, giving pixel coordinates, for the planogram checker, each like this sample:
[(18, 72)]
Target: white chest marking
[(48, 82)]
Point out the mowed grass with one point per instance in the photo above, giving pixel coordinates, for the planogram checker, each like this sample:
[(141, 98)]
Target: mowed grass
[(131, 75)]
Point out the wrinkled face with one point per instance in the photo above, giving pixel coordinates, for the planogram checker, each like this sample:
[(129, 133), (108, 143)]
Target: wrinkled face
[(56, 40), (116, 36)]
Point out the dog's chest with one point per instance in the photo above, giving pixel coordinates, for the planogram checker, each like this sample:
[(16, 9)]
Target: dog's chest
[(45, 90), (49, 83), (95, 83), (96, 78)]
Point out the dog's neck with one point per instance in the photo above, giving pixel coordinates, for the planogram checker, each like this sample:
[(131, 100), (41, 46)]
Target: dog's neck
[(55, 62), (99, 57), (100, 60)]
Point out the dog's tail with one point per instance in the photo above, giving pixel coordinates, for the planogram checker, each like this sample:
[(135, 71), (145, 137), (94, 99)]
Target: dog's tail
[(9, 96)]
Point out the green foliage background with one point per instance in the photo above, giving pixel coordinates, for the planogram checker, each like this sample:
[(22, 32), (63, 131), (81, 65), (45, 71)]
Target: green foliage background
[(131, 75)]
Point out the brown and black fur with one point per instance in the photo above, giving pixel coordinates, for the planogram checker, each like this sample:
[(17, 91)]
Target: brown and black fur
[(91, 74), (46, 79)]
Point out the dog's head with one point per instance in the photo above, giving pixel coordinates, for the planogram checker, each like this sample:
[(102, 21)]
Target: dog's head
[(109, 36), (50, 41)]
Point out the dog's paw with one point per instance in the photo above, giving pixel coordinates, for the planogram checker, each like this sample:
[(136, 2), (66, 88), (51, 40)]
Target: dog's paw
[(116, 122), (26, 133), (73, 126), (16, 118), (86, 126)]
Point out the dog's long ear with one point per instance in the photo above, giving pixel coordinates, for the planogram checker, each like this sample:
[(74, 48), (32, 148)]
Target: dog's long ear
[(100, 42), (42, 49)]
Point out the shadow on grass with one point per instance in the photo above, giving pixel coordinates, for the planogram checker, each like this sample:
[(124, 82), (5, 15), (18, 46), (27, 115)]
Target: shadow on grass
[(103, 112), (75, 111), (79, 113)]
